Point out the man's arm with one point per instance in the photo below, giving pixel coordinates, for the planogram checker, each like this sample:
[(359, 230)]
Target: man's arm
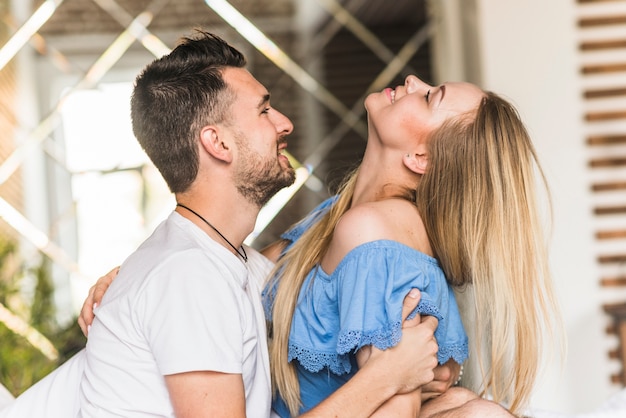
[(406, 404), (398, 370), (206, 394), (446, 375)]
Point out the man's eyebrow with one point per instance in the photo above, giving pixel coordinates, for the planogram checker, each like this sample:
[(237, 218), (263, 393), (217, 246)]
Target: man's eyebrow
[(264, 101)]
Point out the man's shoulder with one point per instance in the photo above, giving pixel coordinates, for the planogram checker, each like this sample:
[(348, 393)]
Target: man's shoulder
[(259, 266)]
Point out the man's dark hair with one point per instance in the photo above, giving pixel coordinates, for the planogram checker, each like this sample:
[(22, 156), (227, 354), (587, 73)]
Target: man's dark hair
[(175, 96)]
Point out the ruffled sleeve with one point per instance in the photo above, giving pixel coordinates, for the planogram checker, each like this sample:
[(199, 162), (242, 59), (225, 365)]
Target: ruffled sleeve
[(361, 304), (293, 234), (296, 231)]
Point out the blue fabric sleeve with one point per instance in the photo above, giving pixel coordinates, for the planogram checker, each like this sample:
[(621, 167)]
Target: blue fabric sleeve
[(372, 285), (296, 231), (360, 304), (292, 235)]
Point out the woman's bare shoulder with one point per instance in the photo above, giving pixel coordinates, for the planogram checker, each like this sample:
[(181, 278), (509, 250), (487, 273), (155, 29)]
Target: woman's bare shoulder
[(385, 219), (393, 219)]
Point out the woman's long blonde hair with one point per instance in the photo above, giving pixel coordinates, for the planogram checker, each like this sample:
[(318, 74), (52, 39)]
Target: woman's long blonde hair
[(294, 266), (479, 204), (477, 200)]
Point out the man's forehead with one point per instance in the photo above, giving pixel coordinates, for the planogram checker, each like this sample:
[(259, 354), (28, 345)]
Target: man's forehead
[(241, 81)]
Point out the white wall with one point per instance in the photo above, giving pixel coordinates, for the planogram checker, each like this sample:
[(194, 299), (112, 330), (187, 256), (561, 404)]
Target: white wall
[(529, 53), (527, 50)]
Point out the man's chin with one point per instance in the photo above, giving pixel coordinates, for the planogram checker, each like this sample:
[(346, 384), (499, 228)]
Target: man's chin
[(286, 179), (292, 176)]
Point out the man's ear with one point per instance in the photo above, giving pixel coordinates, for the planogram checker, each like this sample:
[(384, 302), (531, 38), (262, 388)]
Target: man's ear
[(417, 163), (213, 141)]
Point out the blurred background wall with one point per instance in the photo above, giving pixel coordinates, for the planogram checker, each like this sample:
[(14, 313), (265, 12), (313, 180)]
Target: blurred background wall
[(77, 194)]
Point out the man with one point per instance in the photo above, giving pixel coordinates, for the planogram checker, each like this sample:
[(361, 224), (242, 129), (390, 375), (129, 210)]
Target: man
[(181, 330)]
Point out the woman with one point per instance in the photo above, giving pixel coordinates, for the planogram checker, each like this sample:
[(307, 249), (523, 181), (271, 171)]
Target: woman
[(446, 182), (447, 175)]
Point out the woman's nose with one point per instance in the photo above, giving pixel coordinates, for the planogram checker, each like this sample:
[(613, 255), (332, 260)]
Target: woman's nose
[(414, 84)]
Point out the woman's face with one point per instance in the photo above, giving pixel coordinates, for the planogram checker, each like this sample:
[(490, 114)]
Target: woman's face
[(416, 108)]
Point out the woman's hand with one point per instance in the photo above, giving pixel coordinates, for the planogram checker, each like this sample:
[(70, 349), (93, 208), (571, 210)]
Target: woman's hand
[(96, 292), (446, 376), (412, 362)]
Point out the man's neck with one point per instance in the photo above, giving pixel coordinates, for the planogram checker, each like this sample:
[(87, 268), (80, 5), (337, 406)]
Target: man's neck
[(234, 219)]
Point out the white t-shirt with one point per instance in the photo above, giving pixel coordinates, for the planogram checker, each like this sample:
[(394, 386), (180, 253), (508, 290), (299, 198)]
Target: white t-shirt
[(180, 303), (54, 396), (5, 396)]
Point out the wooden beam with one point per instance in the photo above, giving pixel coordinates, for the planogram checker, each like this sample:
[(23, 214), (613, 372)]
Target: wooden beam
[(607, 162), (586, 22), (610, 210), (621, 329), (600, 116), (601, 94), (616, 310), (608, 186), (603, 68), (613, 282), (606, 140), (609, 259), (617, 233), (604, 44)]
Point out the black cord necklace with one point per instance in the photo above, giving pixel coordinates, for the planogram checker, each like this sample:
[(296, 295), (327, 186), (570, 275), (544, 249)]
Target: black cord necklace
[(241, 253)]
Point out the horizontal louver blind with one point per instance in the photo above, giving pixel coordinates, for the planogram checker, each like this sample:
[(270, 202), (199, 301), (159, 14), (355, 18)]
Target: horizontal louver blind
[(602, 49)]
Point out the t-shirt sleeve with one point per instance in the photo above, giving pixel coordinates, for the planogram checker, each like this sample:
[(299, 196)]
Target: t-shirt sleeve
[(191, 316)]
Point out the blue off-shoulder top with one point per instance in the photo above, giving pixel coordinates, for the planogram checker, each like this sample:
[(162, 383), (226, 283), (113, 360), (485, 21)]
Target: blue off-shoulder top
[(360, 304)]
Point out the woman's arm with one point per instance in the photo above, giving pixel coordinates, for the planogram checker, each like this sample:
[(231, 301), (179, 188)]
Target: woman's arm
[(410, 404), (94, 297), (405, 405), (398, 370)]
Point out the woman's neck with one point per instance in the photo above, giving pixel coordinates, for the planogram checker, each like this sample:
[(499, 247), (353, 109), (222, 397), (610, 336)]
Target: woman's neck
[(382, 175)]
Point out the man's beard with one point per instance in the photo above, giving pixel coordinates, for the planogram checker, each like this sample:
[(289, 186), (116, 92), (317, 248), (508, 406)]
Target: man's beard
[(259, 180)]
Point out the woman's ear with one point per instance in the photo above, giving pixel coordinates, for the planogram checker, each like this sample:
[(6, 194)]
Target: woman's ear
[(417, 163), (213, 142)]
